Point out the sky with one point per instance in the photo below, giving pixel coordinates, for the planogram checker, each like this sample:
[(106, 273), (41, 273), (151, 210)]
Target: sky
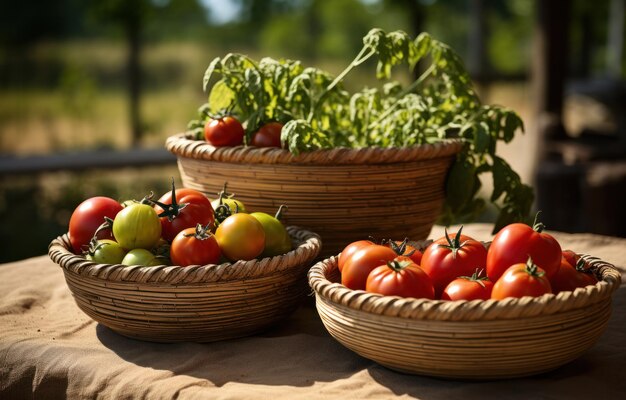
[(222, 11)]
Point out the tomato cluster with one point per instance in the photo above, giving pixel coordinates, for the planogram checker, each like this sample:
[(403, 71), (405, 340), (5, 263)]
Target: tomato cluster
[(183, 227), (228, 131), (521, 261)]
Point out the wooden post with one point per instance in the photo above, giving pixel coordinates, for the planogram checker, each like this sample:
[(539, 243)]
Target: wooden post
[(549, 68)]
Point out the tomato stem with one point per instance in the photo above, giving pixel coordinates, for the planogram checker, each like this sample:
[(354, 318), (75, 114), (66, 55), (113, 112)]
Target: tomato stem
[(172, 210), (532, 269), (476, 277), (400, 249), (398, 266), (454, 245), (538, 226), (279, 213)]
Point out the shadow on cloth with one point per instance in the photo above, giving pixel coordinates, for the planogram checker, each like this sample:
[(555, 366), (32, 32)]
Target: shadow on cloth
[(296, 352)]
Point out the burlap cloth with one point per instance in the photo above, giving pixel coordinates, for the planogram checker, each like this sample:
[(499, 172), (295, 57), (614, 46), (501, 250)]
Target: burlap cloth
[(49, 349)]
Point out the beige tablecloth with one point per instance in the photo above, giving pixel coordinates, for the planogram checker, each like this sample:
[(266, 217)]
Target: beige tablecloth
[(49, 349)]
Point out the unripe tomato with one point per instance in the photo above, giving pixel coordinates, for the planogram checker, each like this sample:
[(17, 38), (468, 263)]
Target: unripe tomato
[(235, 205), (137, 226), (226, 131), (241, 237), (519, 280), (277, 240), (400, 278), (140, 257), (106, 251)]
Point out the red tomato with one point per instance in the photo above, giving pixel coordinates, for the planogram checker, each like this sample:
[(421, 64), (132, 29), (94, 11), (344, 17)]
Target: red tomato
[(521, 280), (349, 250), (226, 131), (86, 219), (400, 278), (183, 208), (268, 135), (568, 277), (472, 287), (516, 242), (402, 248), (363, 261), (195, 246), (447, 259), (570, 256)]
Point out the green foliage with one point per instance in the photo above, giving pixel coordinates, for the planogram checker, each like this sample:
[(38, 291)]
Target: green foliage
[(440, 104)]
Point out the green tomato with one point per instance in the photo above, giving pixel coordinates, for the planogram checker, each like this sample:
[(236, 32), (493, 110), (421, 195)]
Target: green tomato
[(277, 240), (140, 257), (233, 204), (107, 252), (137, 226)]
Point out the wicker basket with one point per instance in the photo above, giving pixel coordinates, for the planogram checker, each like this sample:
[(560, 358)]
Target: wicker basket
[(195, 303), (337, 193), (465, 339)]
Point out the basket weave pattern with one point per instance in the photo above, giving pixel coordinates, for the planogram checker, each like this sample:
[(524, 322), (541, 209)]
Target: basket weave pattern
[(196, 303), (337, 193), (466, 339)]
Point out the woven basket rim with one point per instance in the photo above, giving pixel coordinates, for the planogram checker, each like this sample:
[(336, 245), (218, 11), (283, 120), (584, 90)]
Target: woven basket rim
[(462, 310), (183, 145), (307, 248)]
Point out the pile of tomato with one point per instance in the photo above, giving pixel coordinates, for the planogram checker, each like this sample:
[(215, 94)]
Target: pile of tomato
[(521, 260), (228, 131), (183, 227)]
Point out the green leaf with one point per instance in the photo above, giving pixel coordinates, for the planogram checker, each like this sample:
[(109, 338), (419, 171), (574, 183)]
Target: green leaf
[(221, 97), (214, 67)]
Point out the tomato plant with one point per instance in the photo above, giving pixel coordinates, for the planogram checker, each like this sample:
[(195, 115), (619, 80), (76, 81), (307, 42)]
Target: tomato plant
[(349, 250), (183, 208), (475, 287), (140, 257), (363, 261), (446, 259), (402, 248), (570, 277), (516, 242), (240, 237), (277, 240), (137, 226), (268, 135), (400, 278), (105, 251), (522, 279), (195, 246), (88, 217), (225, 131)]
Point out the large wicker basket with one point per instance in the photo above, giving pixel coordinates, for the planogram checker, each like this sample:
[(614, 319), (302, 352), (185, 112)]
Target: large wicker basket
[(195, 303), (342, 194), (465, 339)]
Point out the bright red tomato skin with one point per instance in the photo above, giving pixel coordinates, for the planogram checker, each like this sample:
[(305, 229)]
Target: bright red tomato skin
[(568, 278), (411, 281), (517, 282), (226, 131), (268, 135), (86, 219), (466, 289), (515, 243), (349, 250), (187, 249), (570, 256), (443, 266), (358, 267), (197, 211)]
